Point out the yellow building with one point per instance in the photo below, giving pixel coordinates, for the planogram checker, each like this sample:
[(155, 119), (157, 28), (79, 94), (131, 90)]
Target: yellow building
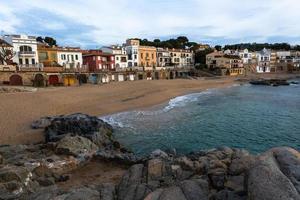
[(147, 55), (48, 56)]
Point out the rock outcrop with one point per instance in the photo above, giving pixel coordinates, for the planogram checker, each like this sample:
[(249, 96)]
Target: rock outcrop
[(36, 171)]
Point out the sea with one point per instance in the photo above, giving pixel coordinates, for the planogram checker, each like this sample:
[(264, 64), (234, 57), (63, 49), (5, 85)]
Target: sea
[(255, 118)]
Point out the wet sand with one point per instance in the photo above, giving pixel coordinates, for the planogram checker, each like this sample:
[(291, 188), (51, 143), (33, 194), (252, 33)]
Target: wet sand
[(19, 110)]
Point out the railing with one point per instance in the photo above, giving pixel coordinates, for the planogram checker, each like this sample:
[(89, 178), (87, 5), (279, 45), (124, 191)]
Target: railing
[(31, 67), (8, 68), (26, 53)]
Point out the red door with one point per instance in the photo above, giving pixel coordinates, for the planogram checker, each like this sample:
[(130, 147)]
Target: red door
[(15, 80), (53, 80)]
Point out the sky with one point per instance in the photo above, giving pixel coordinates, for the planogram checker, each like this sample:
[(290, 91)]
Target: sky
[(93, 23)]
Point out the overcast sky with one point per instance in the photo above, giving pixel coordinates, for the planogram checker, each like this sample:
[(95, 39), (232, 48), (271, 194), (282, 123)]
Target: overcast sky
[(92, 23)]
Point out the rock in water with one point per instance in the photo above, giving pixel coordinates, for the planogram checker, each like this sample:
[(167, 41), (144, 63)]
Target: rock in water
[(86, 126)]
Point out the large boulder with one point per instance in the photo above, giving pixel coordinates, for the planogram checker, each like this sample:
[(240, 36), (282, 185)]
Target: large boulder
[(195, 189), (288, 160), (83, 125), (75, 146), (266, 181), (174, 193)]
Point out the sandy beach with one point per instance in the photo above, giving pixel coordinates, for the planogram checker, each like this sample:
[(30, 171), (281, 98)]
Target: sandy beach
[(19, 110)]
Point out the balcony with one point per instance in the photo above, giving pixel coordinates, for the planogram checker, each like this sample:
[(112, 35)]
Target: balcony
[(27, 53), (83, 69), (30, 67), (8, 68)]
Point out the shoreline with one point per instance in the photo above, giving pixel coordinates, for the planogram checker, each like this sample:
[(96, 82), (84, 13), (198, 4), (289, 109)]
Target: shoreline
[(19, 110), (24, 108)]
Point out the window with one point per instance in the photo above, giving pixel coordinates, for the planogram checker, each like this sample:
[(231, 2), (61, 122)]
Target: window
[(147, 55), (43, 56), (33, 61), (72, 56), (26, 61), (135, 64), (152, 56), (123, 59), (25, 48), (76, 57), (117, 58), (142, 55), (135, 56), (20, 61)]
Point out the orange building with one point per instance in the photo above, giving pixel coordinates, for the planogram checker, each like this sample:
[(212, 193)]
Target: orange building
[(147, 55)]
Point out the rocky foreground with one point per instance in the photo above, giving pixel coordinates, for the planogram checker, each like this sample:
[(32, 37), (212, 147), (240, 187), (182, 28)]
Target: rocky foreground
[(35, 171)]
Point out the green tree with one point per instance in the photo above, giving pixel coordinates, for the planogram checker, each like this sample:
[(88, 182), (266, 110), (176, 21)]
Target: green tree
[(51, 41), (218, 48)]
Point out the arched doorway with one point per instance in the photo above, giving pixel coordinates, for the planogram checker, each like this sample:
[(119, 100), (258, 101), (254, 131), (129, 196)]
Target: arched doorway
[(69, 80), (93, 78), (156, 75), (83, 78), (53, 80), (39, 81), (171, 75), (15, 80), (140, 77), (149, 76)]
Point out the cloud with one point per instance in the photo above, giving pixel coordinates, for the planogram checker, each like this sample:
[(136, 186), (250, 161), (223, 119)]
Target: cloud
[(92, 23)]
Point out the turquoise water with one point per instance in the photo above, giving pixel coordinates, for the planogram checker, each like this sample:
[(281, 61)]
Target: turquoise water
[(255, 118)]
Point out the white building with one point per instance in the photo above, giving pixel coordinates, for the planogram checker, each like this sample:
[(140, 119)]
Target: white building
[(263, 61), (132, 50), (121, 57), (246, 56), (25, 50), (181, 58), (163, 58), (70, 58)]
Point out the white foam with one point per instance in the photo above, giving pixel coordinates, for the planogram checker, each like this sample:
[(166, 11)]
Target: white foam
[(112, 120), (181, 101)]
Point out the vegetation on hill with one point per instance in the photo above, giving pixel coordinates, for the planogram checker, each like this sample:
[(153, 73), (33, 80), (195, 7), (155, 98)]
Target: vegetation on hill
[(181, 42), (260, 46), (49, 40)]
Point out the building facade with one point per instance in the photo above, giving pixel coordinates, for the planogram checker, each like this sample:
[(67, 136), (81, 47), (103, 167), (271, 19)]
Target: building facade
[(263, 61), (70, 58), (121, 57), (25, 51), (181, 58), (147, 55), (132, 49), (98, 61), (246, 56), (224, 64), (164, 59)]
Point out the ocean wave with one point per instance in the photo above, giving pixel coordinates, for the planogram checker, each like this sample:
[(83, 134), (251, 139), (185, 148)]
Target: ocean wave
[(113, 121), (182, 101)]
